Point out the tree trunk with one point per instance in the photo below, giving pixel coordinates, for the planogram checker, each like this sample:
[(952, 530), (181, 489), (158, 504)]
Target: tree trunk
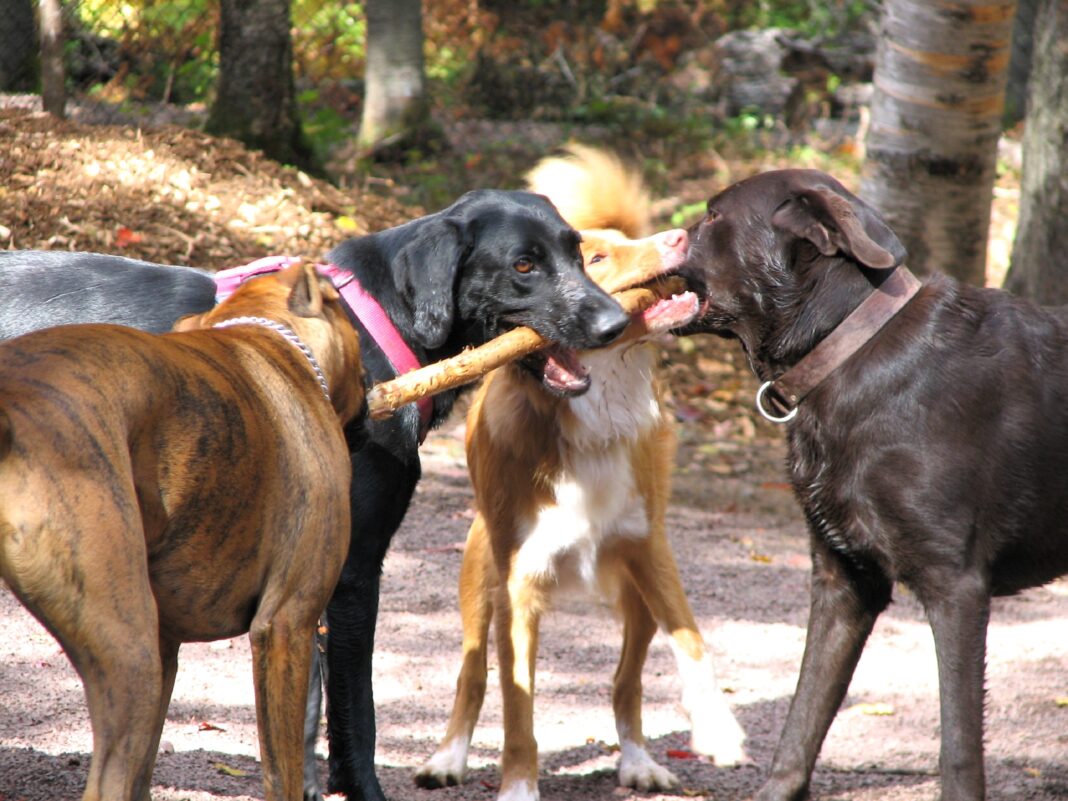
[(395, 101), (1023, 32), (255, 99), (940, 75), (1039, 265), (18, 46), (53, 76)]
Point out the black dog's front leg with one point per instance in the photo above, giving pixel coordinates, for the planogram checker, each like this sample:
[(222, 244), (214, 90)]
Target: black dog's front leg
[(316, 679), (845, 604), (350, 710), (384, 474), (959, 614)]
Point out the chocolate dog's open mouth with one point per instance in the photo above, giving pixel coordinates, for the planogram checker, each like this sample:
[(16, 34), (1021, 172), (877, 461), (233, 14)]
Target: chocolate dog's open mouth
[(560, 370), (673, 312)]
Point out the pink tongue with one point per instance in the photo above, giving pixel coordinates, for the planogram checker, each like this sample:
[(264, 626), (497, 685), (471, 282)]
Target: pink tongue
[(671, 312), (564, 372)]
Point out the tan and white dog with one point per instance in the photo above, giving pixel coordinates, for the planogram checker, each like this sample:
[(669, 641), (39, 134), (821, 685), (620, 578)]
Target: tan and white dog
[(571, 493)]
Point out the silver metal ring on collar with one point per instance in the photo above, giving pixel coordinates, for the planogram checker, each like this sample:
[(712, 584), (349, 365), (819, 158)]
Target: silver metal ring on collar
[(786, 418)]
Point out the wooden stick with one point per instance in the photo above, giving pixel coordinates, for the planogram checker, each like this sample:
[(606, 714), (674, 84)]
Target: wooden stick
[(473, 363)]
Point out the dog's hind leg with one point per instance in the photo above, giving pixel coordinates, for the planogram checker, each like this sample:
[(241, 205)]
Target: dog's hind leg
[(478, 582), (316, 679), (636, 767), (845, 603), (715, 731), (281, 661), (168, 651), (959, 613), (92, 591), (519, 605)]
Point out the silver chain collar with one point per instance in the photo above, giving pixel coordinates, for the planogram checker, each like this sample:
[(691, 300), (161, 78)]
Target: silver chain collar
[(289, 336)]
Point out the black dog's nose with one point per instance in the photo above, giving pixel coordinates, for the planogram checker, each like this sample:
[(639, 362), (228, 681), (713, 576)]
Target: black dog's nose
[(606, 323)]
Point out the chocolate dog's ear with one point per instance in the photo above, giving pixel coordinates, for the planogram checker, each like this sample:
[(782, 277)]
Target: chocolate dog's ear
[(308, 290), (835, 223), (426, 270)]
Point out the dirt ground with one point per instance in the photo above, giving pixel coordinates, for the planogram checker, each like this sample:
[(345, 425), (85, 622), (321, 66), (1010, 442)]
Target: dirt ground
[(739, 540)]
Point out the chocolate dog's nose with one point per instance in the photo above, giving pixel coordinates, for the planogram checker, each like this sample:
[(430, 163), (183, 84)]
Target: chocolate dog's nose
[(607, 323)]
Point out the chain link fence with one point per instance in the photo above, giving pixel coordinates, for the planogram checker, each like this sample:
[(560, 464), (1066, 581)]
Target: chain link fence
[(126, 61)]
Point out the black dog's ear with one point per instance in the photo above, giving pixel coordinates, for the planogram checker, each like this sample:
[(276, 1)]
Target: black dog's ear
[(426, 270), (838, 224)]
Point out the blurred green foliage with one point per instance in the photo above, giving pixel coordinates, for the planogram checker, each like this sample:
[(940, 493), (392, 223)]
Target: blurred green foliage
[(811, 18)]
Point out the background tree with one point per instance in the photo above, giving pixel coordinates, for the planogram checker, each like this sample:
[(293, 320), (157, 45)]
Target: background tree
[(256, 100), (53, 76), (1023, 31), (18, 46), (940, 73), (1039, 265), (395, 103)]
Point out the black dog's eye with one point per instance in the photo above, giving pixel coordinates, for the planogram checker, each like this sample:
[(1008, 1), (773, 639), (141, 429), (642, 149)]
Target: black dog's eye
[(712, 215), (523, 265), (597, 257)]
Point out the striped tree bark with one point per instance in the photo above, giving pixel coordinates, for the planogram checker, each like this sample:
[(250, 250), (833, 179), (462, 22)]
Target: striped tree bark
[(1039, 266), (940, 76)]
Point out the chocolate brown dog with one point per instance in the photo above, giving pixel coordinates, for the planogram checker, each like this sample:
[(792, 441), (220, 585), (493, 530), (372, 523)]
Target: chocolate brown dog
[(160, 489), (928, 436)]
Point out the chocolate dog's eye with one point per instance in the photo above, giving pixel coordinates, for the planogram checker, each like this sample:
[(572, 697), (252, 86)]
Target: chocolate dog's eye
[(596, 258), (712, 215), (523, 266)]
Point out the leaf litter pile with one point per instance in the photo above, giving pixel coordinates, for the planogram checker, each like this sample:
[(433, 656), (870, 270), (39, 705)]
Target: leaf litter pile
[(178, 196), (171, 195)]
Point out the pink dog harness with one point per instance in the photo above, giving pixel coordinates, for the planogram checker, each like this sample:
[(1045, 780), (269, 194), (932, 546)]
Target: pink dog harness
[(367, 310)]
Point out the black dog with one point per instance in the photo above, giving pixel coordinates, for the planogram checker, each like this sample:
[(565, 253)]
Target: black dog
[(491, 261), (932, 450)]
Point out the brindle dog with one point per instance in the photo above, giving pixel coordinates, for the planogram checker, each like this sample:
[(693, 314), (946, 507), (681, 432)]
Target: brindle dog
[(161, 489)]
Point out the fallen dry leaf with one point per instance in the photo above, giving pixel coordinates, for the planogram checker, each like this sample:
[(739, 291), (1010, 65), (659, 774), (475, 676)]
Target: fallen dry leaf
[(876, 708), (225, 769)]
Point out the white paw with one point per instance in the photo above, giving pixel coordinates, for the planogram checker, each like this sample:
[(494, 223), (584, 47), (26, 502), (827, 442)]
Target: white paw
[(716, 733), (519, 791), (638, 770), (445, 768)]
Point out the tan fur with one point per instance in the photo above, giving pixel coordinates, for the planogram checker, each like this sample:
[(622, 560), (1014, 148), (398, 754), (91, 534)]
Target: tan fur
[(185, 487), (525, 446), (592, 189)]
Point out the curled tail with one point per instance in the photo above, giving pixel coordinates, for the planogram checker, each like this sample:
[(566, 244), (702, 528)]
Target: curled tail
[(593, 189)]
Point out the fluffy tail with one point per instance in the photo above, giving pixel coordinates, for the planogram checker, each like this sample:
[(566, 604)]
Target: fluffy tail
[(592, 188)]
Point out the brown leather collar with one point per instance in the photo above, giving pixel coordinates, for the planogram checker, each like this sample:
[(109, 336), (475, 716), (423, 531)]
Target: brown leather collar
[(788, 390)]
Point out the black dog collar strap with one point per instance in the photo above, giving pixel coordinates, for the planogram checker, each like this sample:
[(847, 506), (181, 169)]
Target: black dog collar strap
[(788, 390)]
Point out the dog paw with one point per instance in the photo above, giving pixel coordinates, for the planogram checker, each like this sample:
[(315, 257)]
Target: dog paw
[(721, 740), (638, 770), (446, 768), (519, 791)]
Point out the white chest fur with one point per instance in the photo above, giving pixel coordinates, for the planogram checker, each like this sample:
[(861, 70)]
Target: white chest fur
[(596, 495)]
